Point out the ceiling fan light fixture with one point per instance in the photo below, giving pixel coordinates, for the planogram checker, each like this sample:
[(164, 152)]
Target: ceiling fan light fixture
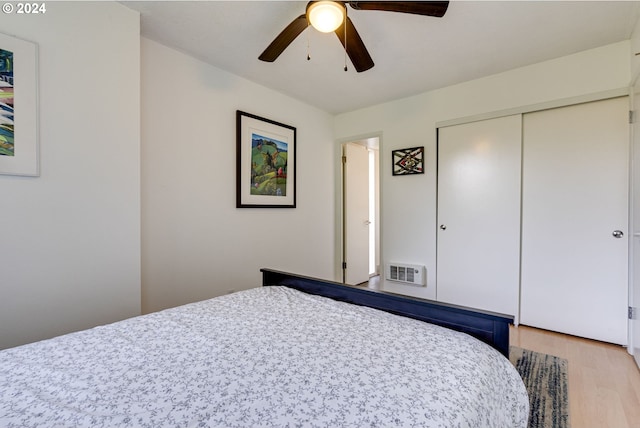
[(326, 16)]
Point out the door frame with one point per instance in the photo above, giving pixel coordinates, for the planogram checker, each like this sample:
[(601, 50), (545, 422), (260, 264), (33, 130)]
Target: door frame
[(340, 199), (634, 219)]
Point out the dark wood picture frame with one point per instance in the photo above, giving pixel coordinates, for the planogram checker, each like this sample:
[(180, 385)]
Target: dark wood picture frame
[(265, 163), (19, 148)]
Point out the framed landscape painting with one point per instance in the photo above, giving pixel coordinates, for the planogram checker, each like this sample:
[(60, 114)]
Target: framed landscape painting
[(18, 107), (265, 163)]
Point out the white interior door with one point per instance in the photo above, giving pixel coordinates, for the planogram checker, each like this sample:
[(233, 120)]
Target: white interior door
[(356, 206), (478, 262), (575, 196)]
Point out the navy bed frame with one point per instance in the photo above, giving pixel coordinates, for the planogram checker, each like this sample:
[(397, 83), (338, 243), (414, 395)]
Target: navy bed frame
[(489, 327)]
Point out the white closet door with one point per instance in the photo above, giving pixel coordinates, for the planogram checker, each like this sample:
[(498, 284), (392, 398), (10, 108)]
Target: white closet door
[(479, 171), (575, 196)]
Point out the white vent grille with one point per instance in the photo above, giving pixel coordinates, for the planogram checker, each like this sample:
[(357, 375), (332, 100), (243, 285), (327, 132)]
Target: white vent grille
[(410, 274)]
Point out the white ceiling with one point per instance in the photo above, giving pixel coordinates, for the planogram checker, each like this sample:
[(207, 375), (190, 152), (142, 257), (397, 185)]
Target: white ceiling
[(412, 53)]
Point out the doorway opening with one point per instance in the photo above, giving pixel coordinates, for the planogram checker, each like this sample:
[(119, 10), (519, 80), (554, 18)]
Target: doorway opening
[(360, 211)]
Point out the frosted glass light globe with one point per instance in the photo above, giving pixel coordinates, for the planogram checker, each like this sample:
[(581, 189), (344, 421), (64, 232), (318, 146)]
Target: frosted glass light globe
[(326, 16)]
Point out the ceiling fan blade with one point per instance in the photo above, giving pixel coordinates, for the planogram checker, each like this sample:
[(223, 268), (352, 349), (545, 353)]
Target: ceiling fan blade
[(284, 39), (428, 8), (355, 47)]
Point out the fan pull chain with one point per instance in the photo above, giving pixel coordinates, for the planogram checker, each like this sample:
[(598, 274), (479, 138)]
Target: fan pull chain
[(345, 39), (308, 44)]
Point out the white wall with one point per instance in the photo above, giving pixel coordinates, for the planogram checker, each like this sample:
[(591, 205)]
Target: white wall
[(195, 243), (70, 240), (412, 122)]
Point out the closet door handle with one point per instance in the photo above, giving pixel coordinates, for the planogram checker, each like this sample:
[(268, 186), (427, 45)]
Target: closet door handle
[(617, 234), (443, 227)]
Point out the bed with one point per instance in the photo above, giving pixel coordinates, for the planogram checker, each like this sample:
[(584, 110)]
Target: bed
[(298, 351)]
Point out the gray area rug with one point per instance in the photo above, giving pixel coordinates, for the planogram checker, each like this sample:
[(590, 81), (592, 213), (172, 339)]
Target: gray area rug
[(546, 380)]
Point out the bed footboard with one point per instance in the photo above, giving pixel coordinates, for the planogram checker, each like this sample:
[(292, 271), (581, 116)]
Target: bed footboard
[(489, 327)]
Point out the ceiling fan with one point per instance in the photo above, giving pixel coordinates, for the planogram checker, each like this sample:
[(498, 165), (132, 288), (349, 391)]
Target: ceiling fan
[(331, 16)]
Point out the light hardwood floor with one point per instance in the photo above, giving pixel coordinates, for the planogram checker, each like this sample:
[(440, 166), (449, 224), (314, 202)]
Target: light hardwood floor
[(604, 381)]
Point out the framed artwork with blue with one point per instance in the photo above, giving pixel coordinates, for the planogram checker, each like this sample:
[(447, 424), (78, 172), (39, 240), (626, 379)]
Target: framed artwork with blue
[(265, 163), (18, 107)]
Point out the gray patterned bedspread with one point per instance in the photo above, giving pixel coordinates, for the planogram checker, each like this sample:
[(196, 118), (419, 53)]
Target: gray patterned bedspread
[(266, 357)]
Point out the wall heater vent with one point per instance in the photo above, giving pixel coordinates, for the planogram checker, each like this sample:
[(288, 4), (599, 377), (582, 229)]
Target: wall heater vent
[(409, 274)]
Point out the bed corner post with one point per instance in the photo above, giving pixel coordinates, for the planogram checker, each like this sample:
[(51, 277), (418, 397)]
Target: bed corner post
[(270, 277)]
